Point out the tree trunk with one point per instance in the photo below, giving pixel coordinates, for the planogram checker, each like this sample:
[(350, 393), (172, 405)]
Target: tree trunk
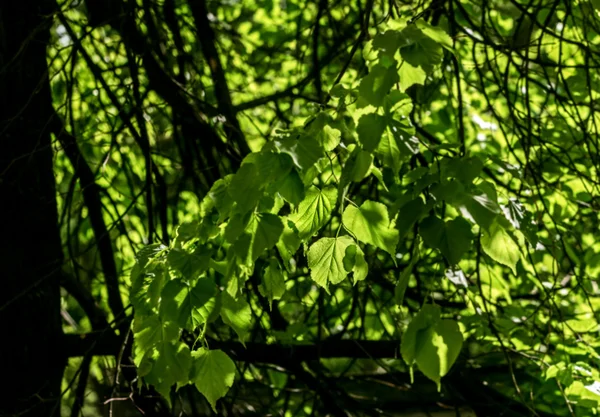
[(31, 363)]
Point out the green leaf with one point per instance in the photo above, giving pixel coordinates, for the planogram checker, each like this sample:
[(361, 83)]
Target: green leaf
[(209, 312), (464, 169), (515, 212), (314, 211), (171, 365), (407, 143), (481, 208), (370, 224), (154, 342), (326, 260), (147, 286), (521, 219), (236, 314), (190, 265), (354, 261), (187, 231), (305, 150), (259, 172), (289, 242), (397, 105), (412, 339), (261, 233), (388, 153), (143, 256), (396, 146), (409, 214), (356, 167), (421, 51), (273, 282), (180, 301), (452, 238), (218, 197), (213, 373), (149, 331), (440, 347), (245, 187), (388, 42), (451, 191), (435, 33), (271, 166), (379, 175), (291, 188), (370, 129), (375, 86), (431, 343), (329, 138), (500, 246), (410, 76)]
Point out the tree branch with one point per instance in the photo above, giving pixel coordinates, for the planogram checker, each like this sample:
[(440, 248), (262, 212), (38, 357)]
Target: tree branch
[(206, 37), (254, 352), (86, 301)]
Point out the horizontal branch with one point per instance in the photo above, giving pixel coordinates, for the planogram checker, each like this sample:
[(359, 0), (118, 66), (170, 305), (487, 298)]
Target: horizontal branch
[(275, 353), (103, 344)]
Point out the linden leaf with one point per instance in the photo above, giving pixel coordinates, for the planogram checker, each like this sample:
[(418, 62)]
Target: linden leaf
[(314, 211), (326, 260), (212, 373), (370, 224), (498, 244)]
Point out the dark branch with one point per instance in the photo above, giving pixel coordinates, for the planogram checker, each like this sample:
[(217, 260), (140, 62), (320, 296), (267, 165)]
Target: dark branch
[(207, 39), (102, 344)]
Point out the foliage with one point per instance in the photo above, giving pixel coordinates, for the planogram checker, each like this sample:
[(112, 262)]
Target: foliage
[(414, 175)]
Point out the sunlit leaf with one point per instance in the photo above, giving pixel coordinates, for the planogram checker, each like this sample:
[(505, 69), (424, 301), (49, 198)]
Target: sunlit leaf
[(326, 260), (213, 373), (500, 246), (370, 224)]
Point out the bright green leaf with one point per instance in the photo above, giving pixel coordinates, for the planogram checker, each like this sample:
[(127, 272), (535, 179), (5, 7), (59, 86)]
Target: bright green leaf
[(329, 138), (500, 246), (354, 261), (213, 373), (410, 76), (326, 260), (273, 282), (431, 343), (314, 211), (236, 314), (435, 33), (370, 224)]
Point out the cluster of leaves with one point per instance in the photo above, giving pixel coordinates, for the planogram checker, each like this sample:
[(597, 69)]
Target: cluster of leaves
[(297, 206), (470, 185)]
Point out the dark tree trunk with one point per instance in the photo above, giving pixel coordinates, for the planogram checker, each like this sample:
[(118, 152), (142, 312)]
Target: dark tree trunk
[(31, 363)]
